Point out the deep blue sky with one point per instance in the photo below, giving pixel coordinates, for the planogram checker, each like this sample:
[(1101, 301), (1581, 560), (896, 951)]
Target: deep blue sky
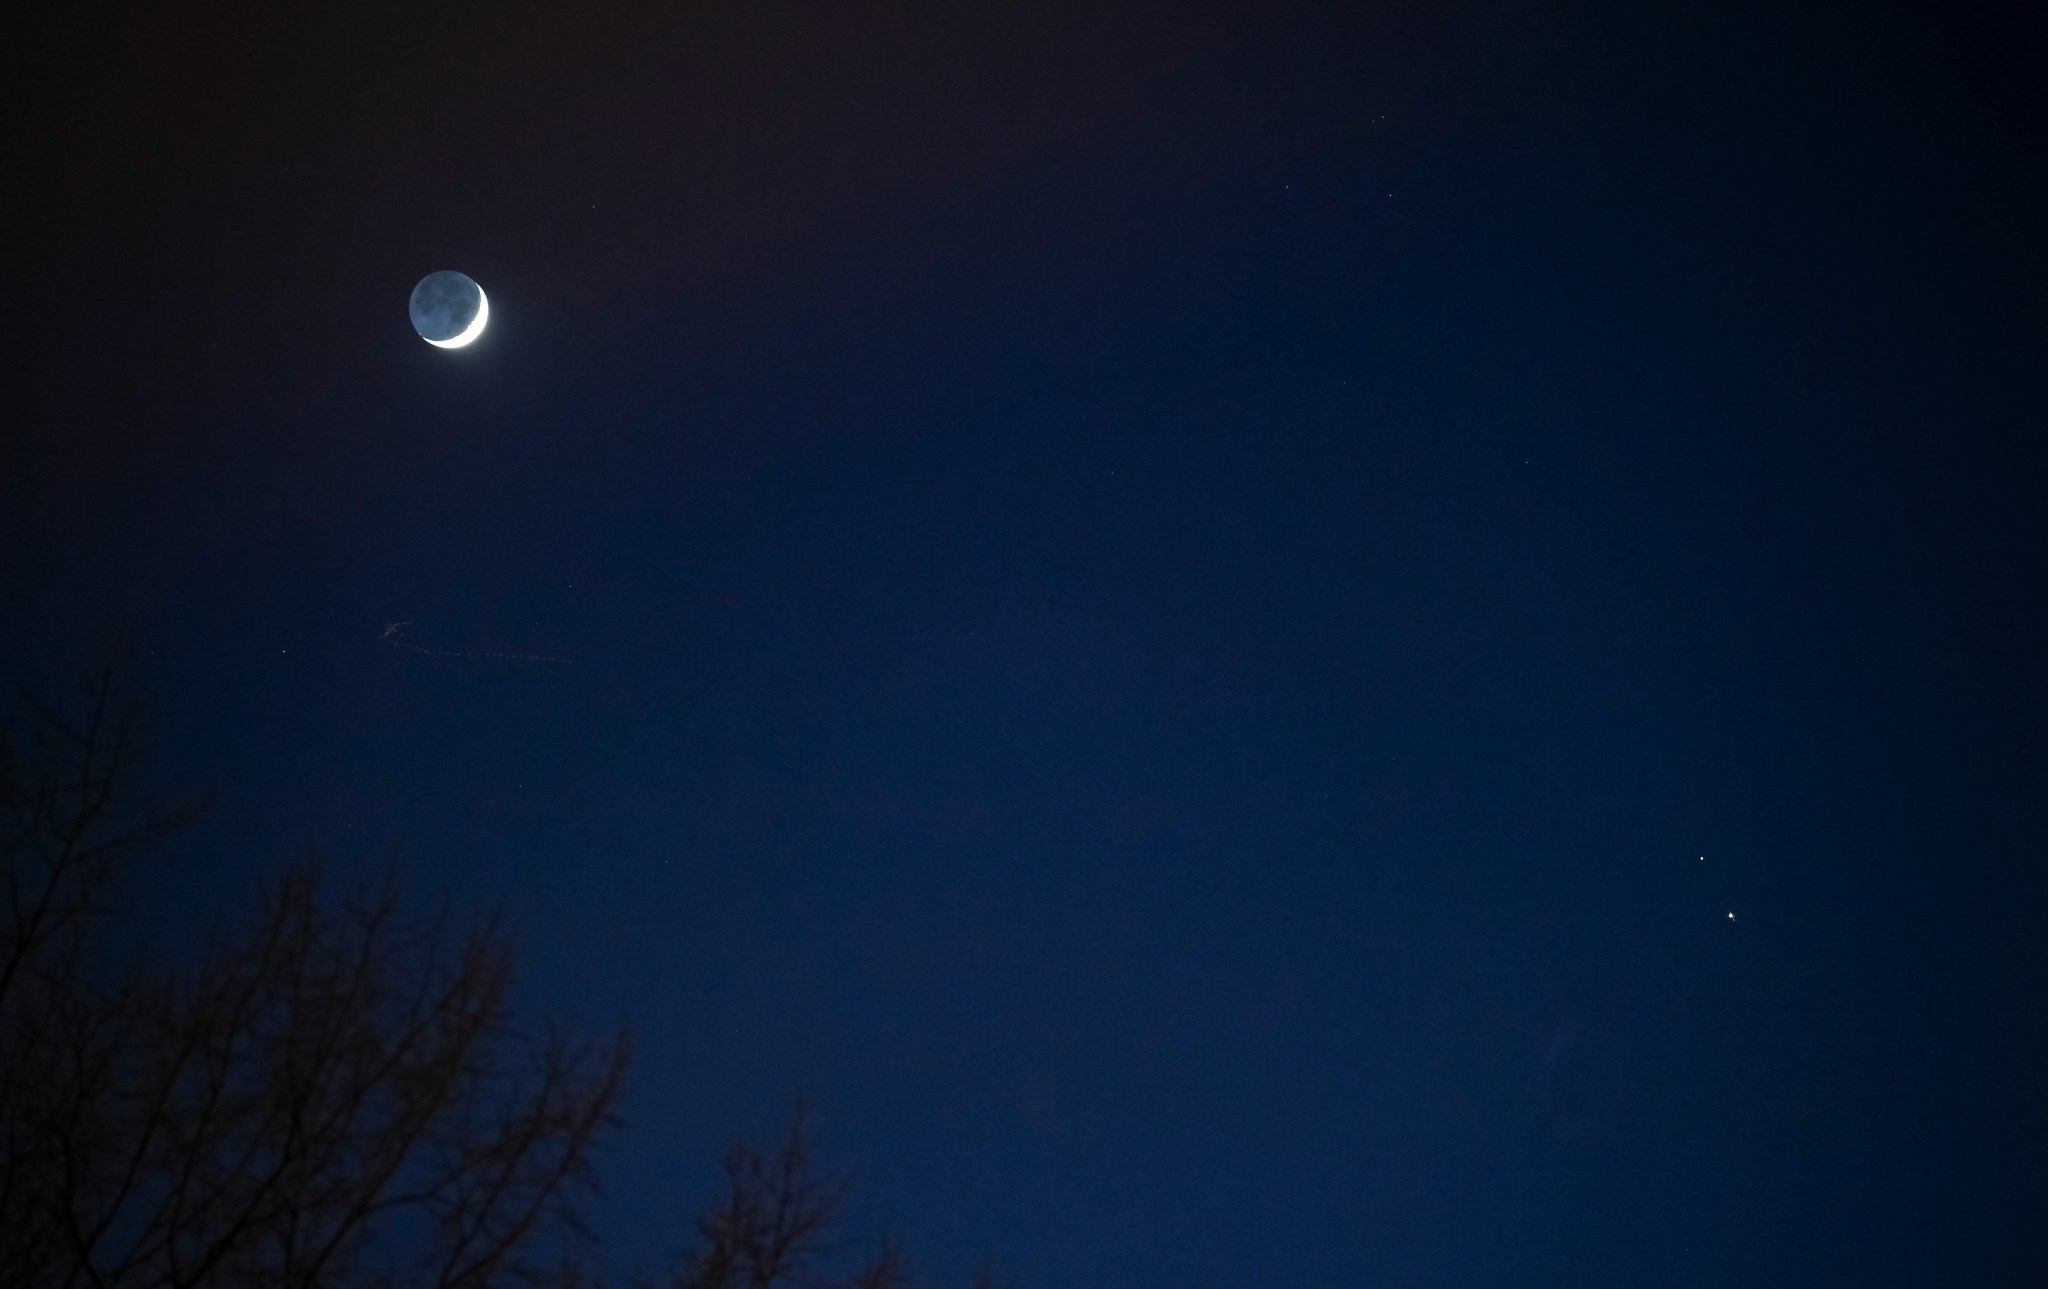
[(1164, 600)]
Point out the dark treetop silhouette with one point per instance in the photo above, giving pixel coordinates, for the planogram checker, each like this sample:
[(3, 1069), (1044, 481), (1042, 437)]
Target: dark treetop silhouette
[(339, 1095)]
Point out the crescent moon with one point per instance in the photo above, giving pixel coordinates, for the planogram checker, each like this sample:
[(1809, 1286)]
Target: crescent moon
[(473, 330)]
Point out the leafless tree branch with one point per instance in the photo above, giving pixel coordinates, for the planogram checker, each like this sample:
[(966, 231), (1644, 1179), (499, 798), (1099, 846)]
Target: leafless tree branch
[(337, 1097)]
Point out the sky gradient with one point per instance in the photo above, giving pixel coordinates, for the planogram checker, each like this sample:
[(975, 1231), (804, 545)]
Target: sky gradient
[(1194, 617)]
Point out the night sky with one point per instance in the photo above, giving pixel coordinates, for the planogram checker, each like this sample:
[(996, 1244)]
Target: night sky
[(1286, 645)]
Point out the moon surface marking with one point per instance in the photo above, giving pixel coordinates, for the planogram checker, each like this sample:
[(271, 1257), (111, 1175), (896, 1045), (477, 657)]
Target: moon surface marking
[(473, 330)]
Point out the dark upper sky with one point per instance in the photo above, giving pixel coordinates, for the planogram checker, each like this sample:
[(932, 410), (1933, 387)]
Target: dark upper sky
[(1164, 600)]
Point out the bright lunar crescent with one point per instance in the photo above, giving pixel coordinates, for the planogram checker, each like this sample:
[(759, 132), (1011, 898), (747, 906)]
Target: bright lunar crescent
[(448, 309)]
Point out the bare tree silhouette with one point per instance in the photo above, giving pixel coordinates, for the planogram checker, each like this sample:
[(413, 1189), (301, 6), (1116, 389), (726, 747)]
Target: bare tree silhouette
[(777, 1226), (338, 1097)]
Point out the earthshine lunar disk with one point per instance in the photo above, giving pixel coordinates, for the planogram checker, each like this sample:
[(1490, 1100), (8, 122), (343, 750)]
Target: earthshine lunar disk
[(449, 309)]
